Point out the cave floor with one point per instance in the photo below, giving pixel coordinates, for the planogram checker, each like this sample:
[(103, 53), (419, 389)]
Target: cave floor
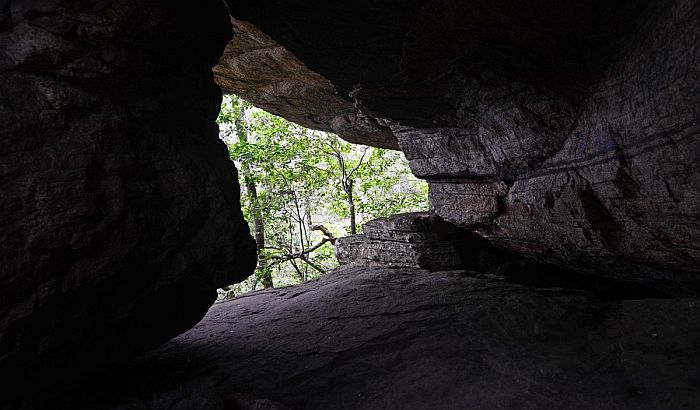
[(381, 338)]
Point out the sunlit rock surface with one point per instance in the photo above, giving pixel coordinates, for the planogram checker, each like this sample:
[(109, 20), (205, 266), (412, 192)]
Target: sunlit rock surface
[(263, 72), (566, 132), (116, 196), (382, 338)]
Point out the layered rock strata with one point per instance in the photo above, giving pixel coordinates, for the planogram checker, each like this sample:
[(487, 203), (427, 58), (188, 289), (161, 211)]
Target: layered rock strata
[(419, 240), (116, 195)]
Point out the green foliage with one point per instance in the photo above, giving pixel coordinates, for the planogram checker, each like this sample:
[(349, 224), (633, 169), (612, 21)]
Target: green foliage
[(298, 176)]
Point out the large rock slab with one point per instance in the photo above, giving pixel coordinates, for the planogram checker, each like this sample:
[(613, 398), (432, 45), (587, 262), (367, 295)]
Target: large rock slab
[(378, 338), (418, 240), (115, 193)]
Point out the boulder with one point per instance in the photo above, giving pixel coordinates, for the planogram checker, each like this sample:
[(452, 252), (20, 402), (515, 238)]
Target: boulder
[(420, 240)]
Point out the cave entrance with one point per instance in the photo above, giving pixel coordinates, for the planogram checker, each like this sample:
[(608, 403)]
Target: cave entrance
[(302, 188)]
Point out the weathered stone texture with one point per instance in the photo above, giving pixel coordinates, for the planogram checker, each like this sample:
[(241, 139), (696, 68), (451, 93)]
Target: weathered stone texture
[(467, 203), (115, 193), (416, 240), (263, 72), (623, 193)]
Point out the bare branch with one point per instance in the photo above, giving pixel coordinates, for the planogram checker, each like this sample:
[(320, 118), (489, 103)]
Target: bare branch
[(359, 164), (303, 253)]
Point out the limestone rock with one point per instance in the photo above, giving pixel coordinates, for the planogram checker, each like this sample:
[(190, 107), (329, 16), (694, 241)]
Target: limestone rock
[(467, 203)]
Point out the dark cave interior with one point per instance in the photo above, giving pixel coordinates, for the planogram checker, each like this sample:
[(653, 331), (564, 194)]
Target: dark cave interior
[(559, 266)]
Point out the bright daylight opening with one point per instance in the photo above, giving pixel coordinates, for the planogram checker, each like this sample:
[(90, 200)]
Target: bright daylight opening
[(301, 189)]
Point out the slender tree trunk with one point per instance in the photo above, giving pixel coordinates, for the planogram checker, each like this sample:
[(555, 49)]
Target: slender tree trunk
[(347, 183), (252, 192), (351, 207), (259, 235), (307, 204)]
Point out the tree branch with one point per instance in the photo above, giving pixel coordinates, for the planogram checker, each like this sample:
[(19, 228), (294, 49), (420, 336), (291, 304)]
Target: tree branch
[(325, 231), (313, 265), (359, 164), (302, 254)]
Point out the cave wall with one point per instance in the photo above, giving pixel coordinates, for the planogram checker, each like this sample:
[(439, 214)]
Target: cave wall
[(116, 194), (568, 133)]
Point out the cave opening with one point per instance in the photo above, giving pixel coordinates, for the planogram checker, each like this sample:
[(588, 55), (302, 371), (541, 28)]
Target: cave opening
[(302, 189), (258, 68)]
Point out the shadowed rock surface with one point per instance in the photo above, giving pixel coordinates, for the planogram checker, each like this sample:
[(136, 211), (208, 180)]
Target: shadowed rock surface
[(381, 338), (423, 240), (116, 195), (566, 132)]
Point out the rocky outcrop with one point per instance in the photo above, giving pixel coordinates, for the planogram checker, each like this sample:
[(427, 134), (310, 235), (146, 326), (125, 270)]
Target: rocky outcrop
[(263, 72), (419, 240), (423, 240), (568, 133), (377, 338), (115, 193)]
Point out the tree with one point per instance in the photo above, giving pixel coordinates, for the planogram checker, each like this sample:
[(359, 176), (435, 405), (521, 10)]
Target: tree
[(234, 112), (346, 176), (258, 222), (301, 187)]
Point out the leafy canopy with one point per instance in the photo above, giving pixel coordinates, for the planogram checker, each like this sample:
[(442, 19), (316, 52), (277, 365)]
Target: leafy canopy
[(301, 179)]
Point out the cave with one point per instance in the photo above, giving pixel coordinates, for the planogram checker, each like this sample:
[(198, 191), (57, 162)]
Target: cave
[(559, 266)]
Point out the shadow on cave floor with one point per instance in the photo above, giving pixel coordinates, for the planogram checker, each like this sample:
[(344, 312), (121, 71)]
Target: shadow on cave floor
[(610, 289), (376, 338), (481, 256)]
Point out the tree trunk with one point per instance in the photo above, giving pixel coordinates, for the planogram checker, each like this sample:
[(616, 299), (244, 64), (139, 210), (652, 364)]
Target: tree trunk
[(259, 235), (252, 192), (351, 207)]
